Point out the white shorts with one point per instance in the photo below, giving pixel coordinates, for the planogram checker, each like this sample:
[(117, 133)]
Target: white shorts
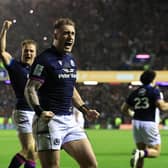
[(146, 132), (23, 120), (56, 132), (79, 118)]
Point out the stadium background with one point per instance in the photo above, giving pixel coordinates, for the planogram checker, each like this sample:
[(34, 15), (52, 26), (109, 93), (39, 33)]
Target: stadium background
[(113, 36)]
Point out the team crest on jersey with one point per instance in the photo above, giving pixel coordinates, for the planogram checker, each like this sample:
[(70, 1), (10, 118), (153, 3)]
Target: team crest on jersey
[(72, 63), (38, 70)]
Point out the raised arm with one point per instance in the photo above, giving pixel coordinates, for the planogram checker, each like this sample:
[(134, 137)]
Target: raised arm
[(5, 55)]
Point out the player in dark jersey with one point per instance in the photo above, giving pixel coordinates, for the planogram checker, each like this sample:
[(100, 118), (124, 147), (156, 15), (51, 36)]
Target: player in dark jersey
[(51, 92), (144, 101), (23, 115)]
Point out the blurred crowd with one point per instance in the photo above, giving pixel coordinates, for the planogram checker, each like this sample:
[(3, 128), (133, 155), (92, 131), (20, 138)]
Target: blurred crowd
[(110, 33), (106, 98)]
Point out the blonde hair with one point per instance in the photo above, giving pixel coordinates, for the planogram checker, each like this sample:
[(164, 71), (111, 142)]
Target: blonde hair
[(63, 21), (28, 41)]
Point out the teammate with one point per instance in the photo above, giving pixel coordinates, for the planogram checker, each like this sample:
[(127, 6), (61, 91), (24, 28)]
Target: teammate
[(18, 72), (53, 76), (144, 101)]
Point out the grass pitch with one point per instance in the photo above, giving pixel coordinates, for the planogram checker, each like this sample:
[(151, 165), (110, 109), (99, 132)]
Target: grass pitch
[(112, 149)]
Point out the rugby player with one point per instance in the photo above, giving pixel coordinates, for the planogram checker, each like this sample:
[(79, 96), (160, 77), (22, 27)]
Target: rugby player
[(51, 91), (22, 116), (144, 101)]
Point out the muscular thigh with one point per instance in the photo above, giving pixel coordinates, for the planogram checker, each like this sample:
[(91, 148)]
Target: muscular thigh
[(49, 158), (80, 150), (27, 140)]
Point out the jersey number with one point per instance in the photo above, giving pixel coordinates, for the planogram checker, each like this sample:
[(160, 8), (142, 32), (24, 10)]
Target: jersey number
[(141, 103)]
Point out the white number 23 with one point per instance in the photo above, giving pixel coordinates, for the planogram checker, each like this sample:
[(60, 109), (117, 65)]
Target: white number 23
[(141, 103)]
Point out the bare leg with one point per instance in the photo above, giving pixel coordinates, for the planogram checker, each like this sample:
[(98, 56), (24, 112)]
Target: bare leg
[(28, 146), (152, 152), (82, 152), (49, 158)]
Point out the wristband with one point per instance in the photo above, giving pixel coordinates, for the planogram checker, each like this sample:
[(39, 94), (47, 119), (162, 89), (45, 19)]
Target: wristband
[(38, 110), (84, 108)]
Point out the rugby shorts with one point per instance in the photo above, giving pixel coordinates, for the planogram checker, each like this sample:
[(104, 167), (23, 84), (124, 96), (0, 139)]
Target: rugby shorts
[(54, 133), (146, 132), (23, 120)]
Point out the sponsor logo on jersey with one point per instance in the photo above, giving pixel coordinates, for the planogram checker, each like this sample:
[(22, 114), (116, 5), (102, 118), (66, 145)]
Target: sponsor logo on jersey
[(68, 70), (65, 76)]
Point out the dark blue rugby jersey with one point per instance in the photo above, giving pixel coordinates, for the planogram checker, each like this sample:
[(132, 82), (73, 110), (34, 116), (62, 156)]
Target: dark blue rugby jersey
[(18, 74), (58, 75), (143, 101)]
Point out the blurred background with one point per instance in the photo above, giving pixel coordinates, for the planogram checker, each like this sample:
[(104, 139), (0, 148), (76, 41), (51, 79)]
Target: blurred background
[(111, 35)]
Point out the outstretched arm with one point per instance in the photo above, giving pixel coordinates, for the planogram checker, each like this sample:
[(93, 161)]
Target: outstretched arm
[(5, 55)]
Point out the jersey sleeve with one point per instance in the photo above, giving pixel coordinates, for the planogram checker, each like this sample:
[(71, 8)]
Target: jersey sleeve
[(157, 93), (38, 70), (12, 64)]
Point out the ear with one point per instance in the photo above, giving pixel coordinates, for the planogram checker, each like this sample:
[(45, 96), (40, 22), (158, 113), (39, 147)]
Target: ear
[(55, 34)]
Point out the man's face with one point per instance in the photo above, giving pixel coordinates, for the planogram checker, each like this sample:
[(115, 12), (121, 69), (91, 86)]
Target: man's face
[(65, 38), (28, 53)]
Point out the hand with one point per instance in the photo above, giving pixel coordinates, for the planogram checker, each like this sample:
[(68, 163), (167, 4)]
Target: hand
[(92, 115), (47, 115), (7, 24), (131, 112)]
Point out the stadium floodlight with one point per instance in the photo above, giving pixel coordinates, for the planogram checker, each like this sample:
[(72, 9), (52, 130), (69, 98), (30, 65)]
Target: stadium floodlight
[(136, 83), (14, 21), (90, 82)]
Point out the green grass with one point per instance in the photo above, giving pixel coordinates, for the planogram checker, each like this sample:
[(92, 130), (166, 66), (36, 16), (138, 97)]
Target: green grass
[(112, 149)]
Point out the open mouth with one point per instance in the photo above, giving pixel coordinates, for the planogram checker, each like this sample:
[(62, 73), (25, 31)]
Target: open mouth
[(68, 44), (27, 58)]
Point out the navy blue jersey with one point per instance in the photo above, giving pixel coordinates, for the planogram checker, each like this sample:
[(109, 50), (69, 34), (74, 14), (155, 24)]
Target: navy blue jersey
[(18, 74), (58, 75), (143, 102)]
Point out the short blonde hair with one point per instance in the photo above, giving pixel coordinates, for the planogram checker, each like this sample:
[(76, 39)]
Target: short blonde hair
[(28, 41), (63, 21)]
